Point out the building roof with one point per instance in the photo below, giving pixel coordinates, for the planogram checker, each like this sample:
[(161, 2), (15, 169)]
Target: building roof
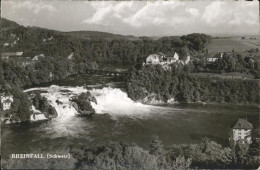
[(242, 124), (212, 59), (8, 101), (11, 54)]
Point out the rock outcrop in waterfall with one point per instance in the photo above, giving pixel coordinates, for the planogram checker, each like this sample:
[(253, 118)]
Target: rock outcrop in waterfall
[(42, 106), (82, 103)]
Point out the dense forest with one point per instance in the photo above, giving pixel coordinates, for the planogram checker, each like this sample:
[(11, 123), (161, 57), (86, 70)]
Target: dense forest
[(185, 87), (33, 41), (229, 63), (44, 70), (87, 53), (232, 78), (114, 155)]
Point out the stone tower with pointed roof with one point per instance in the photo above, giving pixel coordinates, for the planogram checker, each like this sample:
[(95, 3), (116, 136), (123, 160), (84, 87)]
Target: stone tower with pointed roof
[(241, 131)]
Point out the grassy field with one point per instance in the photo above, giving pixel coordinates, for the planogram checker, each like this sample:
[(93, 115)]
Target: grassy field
[(228, 44)]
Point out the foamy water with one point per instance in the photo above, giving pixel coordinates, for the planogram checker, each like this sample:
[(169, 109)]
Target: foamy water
[(37, 116), (112, 101), (116, 102), (109, 100)]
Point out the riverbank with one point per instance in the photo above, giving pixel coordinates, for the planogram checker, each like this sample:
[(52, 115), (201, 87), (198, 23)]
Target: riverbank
[(158, 84), (160, 103)]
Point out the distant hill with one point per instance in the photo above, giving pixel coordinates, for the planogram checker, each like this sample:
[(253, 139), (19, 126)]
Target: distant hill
[(9, 25), (97, 34), (6, 24), (83, 45), (101, 47)]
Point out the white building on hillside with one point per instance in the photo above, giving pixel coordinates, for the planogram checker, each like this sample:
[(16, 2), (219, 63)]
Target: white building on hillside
[(6, 101), (155, 58), (241, 131), (211, 59), (37, 57), (161, 59), (6, 105), (164, 61), (186, 58), (216, 56), (7, 55), (176, 56), (70, 57)]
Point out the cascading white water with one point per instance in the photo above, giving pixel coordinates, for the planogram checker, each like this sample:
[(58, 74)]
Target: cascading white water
[(65, 124), (109, 100), (113, 101), (116, 102), (55, 93), (37, 116)]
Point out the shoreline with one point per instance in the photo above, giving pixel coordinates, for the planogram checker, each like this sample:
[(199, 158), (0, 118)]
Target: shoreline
[(157, 102), (203, 104)]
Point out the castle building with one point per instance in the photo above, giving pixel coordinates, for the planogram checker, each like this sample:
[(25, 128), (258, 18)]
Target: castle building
[(161, 59)]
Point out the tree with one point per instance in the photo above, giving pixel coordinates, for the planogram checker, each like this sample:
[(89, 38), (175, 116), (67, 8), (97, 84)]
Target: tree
[(254, 150), (241, 151), (181, 163), (213, 155), (156, 147), (254, 147), (20, 108)]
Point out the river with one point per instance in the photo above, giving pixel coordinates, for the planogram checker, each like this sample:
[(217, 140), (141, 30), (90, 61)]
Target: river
[(119, 118)]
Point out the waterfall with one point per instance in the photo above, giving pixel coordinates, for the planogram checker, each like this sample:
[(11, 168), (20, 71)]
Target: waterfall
[(113, 101)]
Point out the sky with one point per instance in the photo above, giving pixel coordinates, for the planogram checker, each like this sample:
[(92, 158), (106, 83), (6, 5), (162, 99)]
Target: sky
[(138, 18)]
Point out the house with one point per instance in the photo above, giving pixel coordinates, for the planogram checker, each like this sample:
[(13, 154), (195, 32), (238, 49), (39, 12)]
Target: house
[(24, 61), (50, 38), (174, 59), (241, 131), (47, 39), (7, 55), (211, 59), (176, 56), (6, 101), (6, 44), (215, 57), (186, 58), (6, 105), (70, 57), (37, 57), (18, 57), (169, 60), (161, 59), (165, 62), (155, 58)]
